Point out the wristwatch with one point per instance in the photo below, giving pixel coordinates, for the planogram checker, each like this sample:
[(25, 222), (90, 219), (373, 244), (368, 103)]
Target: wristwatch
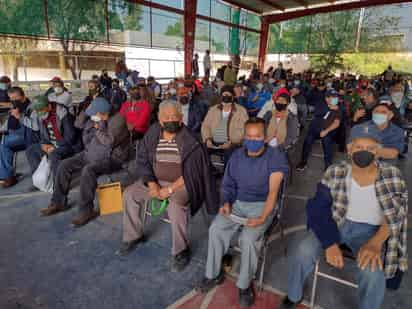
[(170, 189)]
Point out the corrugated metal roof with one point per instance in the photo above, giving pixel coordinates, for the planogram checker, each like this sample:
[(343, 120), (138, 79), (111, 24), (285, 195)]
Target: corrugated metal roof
[(277, 6)]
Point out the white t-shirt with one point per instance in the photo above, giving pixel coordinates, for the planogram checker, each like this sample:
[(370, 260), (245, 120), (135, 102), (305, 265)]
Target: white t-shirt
[(363, 204)]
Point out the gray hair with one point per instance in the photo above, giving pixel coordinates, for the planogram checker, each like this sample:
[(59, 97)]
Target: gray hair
[(170, 104)]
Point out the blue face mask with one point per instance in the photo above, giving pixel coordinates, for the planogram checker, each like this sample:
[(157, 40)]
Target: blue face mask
[(334, 101), (379, 119), (253, 145), (3, 86)]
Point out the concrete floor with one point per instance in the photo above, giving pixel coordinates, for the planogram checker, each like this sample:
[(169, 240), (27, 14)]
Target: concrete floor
[(44, 263)]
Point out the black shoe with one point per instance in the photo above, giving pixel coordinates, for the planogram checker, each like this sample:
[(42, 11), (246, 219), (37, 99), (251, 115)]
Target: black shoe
[(301, 166), (181, 260), (129, 246), (288, 304), (246, 297), (208, 284)]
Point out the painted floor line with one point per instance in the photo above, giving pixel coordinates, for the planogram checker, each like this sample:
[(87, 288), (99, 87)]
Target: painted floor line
[(183, 300)]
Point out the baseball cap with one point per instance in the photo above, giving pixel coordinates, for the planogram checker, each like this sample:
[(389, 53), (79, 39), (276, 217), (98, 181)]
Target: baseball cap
[(365, 131), (56, 79), (98, 105), (385, 99), (332, 93)]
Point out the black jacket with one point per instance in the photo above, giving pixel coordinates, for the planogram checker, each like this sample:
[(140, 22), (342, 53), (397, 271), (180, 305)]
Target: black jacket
[(196, 167)]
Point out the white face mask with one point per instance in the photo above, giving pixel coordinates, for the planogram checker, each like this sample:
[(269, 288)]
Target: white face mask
[(259, 86), (271, 80), (58, 90), (397, 98), (172, 91), (95, 118)]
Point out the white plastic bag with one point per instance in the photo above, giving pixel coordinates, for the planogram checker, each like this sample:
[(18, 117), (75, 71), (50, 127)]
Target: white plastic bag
[(42, 177)]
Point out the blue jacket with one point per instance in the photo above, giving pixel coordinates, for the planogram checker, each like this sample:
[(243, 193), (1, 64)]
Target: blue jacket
[(197, 112), (319, 217)]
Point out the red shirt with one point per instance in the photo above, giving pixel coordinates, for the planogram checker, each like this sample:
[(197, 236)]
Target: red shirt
[(137, 114)]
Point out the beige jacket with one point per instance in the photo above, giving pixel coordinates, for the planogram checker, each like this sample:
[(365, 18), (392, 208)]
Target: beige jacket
[(236, 123)]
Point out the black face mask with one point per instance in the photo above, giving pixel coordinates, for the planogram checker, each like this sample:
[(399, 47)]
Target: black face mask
[(280, 107), (227, 99), (171, 126), (363, 158), (184, 100), (135, 96)]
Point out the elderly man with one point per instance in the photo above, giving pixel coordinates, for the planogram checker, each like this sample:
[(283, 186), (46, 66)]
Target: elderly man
[(106, 143), (58, 137), (392, 137), (364, 205), (223, 126), (250, 189), (174, 166)]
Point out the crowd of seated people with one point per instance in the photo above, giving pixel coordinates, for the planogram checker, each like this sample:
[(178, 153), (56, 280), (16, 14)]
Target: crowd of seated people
[(251, 123)]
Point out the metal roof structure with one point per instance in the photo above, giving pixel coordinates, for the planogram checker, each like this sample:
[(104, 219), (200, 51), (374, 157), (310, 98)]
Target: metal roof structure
[(290, 8)]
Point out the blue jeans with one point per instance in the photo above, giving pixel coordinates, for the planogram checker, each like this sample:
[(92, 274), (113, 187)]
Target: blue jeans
[(304, 255), (11, 143)]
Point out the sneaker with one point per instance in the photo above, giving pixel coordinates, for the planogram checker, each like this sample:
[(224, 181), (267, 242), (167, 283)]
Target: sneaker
[(301, 166), (129, 246), (208, 284), (181, 260), (246, 297), (288, 304)]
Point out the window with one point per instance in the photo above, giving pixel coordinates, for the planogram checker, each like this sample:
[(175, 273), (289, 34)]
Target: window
[(167, 29), (129, 23)]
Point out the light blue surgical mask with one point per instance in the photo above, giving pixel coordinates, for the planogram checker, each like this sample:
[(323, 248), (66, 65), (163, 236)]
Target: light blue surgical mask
[(334, 101), (3, 86), (379, 119)]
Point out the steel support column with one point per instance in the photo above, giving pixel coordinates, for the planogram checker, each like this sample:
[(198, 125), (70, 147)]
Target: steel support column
[(264, 35), (189, 32)]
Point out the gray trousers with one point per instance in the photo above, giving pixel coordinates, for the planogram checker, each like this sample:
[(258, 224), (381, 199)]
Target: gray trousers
[(134, 199), (251, 239)]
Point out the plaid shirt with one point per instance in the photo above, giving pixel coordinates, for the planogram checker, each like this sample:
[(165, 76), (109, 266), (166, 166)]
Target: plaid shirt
[(392, 194)]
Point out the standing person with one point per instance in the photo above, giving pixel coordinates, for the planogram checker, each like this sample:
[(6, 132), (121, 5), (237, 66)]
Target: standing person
[(230, 75), (207, 64), (106, 82), (250, 189), (364, 205), (279, 73), (195, 66), (255, 74), (13, 138), (106, 144)]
